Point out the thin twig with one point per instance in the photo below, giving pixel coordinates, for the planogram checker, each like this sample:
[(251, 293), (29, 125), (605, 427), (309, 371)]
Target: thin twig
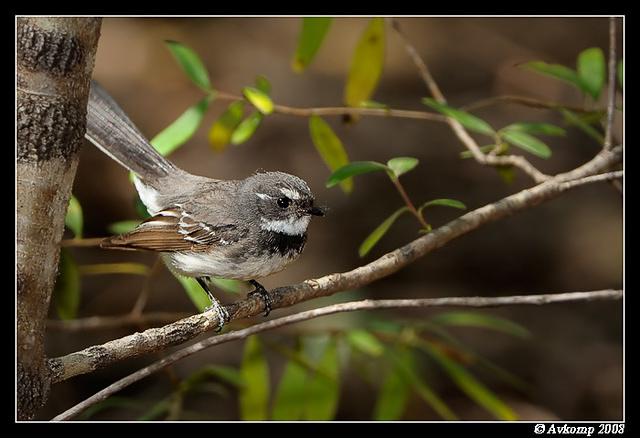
[(84, 242), (360, 111), (154, 339), (414, 211), (423, 70), (341, 110), (143, 297), (459, 130), (611, 84), (528, 101), (118, 321), (608, 176), (475, 302), (495, 160)]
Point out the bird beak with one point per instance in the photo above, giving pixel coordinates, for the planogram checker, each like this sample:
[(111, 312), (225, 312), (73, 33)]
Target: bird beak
[(315, 211)]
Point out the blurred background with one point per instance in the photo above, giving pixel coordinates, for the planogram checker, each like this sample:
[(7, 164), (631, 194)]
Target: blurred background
[(572, 362)]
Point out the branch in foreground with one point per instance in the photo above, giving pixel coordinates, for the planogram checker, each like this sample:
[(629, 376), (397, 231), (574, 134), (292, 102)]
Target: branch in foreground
[(476, 302), (154, 339)]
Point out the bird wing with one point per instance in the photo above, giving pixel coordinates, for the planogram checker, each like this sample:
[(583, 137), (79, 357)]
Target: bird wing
[(171, 230)]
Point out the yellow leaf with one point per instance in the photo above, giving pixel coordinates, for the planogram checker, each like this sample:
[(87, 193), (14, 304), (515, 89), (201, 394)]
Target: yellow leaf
[(366, 64), (221, 131), (312, 35), (330, 148)]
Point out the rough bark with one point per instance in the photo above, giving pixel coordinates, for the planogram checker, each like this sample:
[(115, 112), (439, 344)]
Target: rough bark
[(55, 58)]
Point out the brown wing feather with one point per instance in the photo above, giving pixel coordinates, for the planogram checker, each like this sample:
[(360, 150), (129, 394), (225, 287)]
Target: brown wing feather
[(168, 232), (159, 233)]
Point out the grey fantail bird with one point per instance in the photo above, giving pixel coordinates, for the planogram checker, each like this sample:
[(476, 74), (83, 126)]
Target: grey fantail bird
[(233, 229)]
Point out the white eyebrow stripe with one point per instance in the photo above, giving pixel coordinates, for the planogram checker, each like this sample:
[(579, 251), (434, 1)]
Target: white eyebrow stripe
[(290, 193), (263, 196)]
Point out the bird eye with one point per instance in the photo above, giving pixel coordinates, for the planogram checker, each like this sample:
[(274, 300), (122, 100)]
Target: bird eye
[(283, 202)]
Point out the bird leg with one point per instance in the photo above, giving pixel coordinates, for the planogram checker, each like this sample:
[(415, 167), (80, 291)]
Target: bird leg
[(221, 312), (260, 290)]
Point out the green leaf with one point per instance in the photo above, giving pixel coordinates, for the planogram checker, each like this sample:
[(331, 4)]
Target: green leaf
[(365, 342), (231, 286), (380, 231), (527, 142), (199, 379), (191, 64), (258, 99), (74, 218), (288, 402), (299, 354), (312, 35), (366, 64), (122, 226), (403, 365), (246, 128), (443, 202), (227, 374), (507, 173), (155, 411), (486, 149), (254, 394), (535, 128), (467, 120), (223, 128), (330, 148), (116, 402), (401, 165), (263, 84), (471, 386), (392, 399), (138, 205), (555, 70), (199, 297), (195, 292), (373, 104), (592, 71), (182, 129), (352, 169), (472, 319), (575, 119), (114, 268), (323, 389), (66, 293)]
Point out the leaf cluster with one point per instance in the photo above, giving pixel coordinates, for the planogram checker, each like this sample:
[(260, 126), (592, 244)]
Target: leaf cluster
[(394, 168), (393, 358)]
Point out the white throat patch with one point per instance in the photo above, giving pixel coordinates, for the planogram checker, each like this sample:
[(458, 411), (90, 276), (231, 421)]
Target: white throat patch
[(291, 226)]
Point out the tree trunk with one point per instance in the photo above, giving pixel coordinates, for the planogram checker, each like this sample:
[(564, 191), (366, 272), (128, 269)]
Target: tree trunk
[(55, 58)]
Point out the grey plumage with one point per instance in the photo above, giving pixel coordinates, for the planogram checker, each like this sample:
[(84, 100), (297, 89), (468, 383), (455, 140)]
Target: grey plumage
[(234, 229)]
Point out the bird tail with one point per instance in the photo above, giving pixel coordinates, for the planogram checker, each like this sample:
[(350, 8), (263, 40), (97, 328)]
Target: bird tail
[(109, 128)]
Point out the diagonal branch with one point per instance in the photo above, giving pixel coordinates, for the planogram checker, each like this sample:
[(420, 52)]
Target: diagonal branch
[(461, 133), (476, 302), (155, 339)]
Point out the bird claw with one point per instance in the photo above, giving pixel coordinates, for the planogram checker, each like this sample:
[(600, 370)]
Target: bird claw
[(221, 313), (264, 294)]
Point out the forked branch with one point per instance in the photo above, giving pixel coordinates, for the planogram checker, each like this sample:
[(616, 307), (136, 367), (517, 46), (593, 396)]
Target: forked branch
[(155, 339)]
